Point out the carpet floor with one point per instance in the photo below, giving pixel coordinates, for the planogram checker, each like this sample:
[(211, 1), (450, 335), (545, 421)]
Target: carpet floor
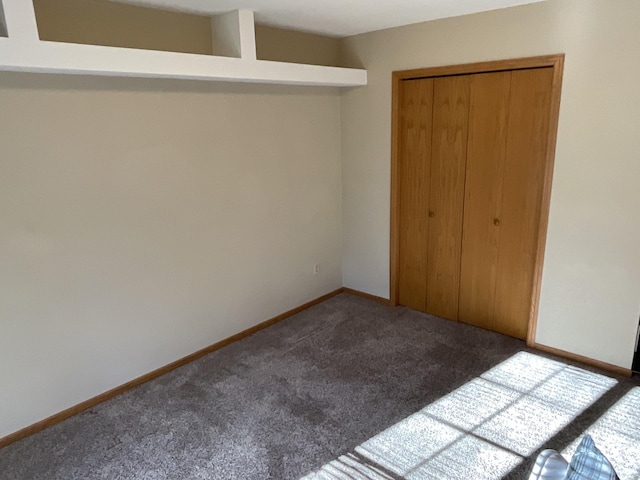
[(324, 386)]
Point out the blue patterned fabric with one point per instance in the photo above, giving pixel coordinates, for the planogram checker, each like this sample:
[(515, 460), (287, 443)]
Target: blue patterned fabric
[(550, 465), (588, 463)]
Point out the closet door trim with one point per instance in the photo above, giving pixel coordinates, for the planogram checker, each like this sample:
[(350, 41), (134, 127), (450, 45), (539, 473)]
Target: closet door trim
[(554, 61)]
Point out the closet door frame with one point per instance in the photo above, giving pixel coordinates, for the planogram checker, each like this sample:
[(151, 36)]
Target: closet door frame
[(554, 61)]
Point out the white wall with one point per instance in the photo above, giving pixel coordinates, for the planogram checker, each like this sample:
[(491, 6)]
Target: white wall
[(143, 220), (591, 282)]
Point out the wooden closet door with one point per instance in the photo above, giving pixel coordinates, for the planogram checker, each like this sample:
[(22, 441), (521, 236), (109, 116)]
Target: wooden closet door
[(528, 129), (416, 103), (486, 154), (446, 198)]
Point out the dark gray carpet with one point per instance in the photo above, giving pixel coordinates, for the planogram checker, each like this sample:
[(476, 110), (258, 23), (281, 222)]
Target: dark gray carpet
[(281, 403)]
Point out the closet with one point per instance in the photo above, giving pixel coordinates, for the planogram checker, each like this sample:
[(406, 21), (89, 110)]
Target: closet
[(471, 169)]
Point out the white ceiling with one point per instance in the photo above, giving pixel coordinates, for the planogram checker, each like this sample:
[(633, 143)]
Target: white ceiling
[(337, 17)]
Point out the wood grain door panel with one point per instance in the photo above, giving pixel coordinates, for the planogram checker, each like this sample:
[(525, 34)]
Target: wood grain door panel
[(416, 97), (528, 129), (448, 165), (486, 155)]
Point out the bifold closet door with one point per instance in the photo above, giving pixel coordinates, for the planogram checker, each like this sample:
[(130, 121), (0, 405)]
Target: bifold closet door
[(486, 154), (528, 130), (434, 115), (446, 199), (416, 105), (508, 127)]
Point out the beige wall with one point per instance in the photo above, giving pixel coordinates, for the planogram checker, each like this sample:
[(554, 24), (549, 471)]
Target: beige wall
[(143, 220), (282, 45), (591, 281), (101, 22)]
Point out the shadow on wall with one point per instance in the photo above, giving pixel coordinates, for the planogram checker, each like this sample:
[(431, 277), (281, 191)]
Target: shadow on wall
[(48, 81), (349, 58), (3, 23), (492, 424)]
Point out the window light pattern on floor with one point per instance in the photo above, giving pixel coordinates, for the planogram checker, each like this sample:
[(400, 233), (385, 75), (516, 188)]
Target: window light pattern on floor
[(482, 430)]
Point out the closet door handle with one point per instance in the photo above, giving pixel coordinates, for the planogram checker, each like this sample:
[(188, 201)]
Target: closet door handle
[(432, 213), (496, 222)]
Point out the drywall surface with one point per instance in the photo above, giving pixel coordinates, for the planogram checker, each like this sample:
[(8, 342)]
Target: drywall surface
[(591, 282), (143, 220), (101, 22), (281, 45)]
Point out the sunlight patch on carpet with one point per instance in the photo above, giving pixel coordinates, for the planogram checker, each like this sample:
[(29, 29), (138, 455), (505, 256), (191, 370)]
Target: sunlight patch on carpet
[(485, 428), (470, 457), (349, 467), (405, 445)]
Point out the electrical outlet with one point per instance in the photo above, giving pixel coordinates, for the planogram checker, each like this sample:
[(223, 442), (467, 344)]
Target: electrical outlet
[(316, 269)]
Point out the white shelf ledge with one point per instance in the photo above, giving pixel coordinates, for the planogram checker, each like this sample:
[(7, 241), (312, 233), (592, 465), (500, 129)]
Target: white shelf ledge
[(68, 58), (23, 51)]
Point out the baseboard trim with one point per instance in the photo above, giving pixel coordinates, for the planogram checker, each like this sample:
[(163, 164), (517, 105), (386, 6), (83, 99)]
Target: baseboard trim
[(368, 296), (103, 397), (625, 372)]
